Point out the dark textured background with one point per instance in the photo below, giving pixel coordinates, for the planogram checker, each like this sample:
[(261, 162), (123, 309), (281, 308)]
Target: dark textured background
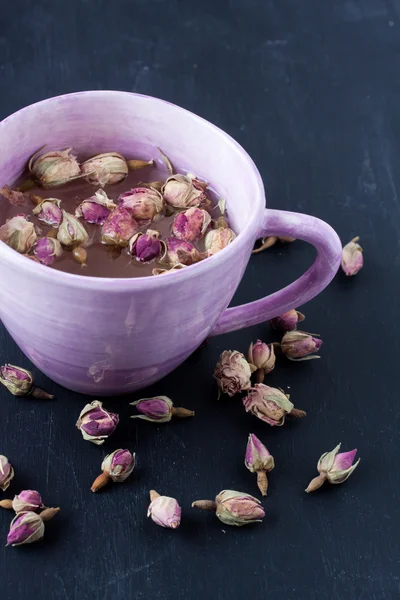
[(311, 89)]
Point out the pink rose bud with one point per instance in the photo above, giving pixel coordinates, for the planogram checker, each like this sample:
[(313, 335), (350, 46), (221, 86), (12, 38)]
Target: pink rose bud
[(54, 168), (233, 373), (119, 227), (47, 250), (218, 239), (262, 356), (145, 247), (27, 500), (48, 211), (258, 460), (104, 169), (96, 208), (18, 233), (71, 231), (164, 511), (298, 345), (183, 191), (191, 224), (352, 257), (159, 409), (116, 467), (234, 508), (96, 423), (334, 467), (20, 382), (143, 203), (270, 404), (6, 473), (25, 528), (287, 321), (181, 252)]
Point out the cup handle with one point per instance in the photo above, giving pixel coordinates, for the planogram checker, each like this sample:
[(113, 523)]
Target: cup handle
[(299, 226)]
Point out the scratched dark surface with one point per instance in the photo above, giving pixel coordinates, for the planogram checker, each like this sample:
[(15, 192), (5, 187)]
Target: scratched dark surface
[(311, 89)]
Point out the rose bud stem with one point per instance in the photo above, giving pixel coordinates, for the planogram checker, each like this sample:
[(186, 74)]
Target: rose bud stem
[(181, 413), (80, 255), (139, 164), (153, 495), (316, 483), (262, 482), (205, 504), (260, 375), (49, 513), (100, 481), (26, 185), (7, 504), (297, 413), (38, 393), (167, 162)]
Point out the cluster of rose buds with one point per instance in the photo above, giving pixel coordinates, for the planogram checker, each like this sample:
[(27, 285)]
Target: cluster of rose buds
[(20, 382), (116, 467), (95, 423), (159, 409), (352, 257)]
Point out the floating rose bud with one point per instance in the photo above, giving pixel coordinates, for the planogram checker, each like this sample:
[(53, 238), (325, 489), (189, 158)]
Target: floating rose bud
[(27, 500), (134, 165), (164, 511), (15, 197), (145, 247), (6, 473), (48, 211), (119, 227), (143, 203), (181, 191), (181, 252), (262, 356), (25, 528), (96, 208), (46, 250), (234, 508), (352, 257), (287, 321), (71, 231), (96, 423), (80, 255), (55, 168), (258, 460), (270, 405), (20, 382), (233, 373), (18, 233), (299, 345), (159, 409), (105, 169), (218, 239), (191, 224), (334, 467), (116, 467)]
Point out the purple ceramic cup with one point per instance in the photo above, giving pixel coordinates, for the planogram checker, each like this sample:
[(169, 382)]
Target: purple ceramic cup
[(104, 336)]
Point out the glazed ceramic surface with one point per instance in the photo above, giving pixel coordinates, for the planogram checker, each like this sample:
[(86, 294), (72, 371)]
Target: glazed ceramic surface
[(103, 336)]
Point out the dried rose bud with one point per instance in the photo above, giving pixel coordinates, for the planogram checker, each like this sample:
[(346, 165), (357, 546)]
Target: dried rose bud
[(258, 460), (299, 345), (270, 404), (334, 467), (181, 252), (159, 409), (182, 191), (234, 508), (20, 382), (352, 257), (145, 247), (48, 211), (106, 168), (287, 321), (25, 528), (271, 241), (218, 239), (233, 373), (54, 168), (46, 250), (164, 511), (262, 356), (119, 227), (15, 197), (27, 500), (96, 423), (191, 224), (80, 255), (96, 208), (134, 164), (6, 473), (116, 467), (143, 203), (18, 233), (71, 231)]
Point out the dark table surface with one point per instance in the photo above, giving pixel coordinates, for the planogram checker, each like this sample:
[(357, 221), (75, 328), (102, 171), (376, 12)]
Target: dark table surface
[(311, 90)]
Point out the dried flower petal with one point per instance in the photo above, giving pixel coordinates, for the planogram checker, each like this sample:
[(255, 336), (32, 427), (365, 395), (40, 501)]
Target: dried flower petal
[(105, 169), (15, 197), (164, 511), (48, 211), (143, 203), (20, 382), (259, 460), (18, 233), (352, 257), (116, 467), (270, 404), (6, 473), (234, 508), (27, 500), (96, 423), (181, 191), (96, 208), (288, 320), (233, 372), (334, 467), (299, 345), (54, 168), (218, 239), (145, 247), (119, 227), (159, 409), (191, 224), (25, 528), (47, 249), (71, 231), (181, 252)]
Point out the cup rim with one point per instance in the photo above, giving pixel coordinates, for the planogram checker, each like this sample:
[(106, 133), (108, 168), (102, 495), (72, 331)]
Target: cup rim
[(131, 283)]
